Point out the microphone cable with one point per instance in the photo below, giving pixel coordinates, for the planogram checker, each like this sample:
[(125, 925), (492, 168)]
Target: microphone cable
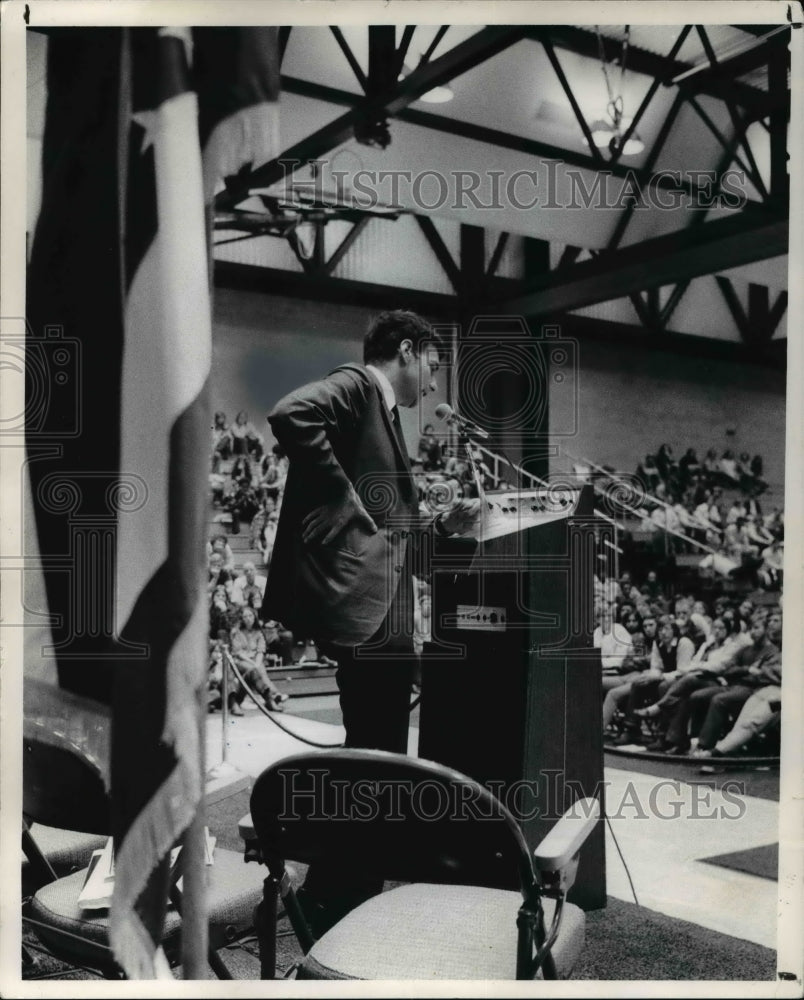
[(625, 865), (271, 715)]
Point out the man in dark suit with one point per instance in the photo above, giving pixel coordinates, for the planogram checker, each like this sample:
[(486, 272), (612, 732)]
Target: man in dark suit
[(346, 548), (350, 526)]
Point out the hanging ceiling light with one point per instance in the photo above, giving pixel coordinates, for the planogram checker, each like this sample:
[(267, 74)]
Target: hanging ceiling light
[(610, 129), (608, 133)]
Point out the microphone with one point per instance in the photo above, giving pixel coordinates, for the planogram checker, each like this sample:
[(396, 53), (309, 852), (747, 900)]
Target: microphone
[(445, 412)]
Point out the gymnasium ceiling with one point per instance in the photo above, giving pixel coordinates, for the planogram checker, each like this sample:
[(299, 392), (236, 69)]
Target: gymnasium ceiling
[(709, 98)]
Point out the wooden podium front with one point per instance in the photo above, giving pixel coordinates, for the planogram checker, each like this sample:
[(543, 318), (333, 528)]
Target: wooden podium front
[(511, 686)]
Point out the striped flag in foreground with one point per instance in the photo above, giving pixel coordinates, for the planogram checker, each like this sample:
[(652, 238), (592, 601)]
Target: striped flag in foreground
[(119, 270)]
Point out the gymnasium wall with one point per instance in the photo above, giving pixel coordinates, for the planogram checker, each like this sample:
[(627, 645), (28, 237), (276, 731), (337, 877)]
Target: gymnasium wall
[(628, 401), (263, 346)]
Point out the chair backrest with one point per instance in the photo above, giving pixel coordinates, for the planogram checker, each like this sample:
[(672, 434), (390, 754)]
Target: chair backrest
[(62, 787), (394, 816)]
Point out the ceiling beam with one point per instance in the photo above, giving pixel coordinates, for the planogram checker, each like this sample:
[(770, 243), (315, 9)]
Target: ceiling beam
[(708, 78), (346, 244), (325, 288), (584, 42), (481, 46), (491, 136), (439, 248), (295, 284), (360, 76), (381, 60), (730, 242)]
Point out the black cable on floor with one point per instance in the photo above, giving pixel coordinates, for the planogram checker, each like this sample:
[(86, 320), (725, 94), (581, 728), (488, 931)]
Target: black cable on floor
[(276, 722), (270, 715)]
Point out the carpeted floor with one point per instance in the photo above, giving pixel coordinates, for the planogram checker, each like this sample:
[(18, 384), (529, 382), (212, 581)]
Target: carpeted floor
[(623, 942), (760, 861)]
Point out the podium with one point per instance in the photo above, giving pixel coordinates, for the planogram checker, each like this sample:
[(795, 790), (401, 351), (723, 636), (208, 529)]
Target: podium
[(511, 685)]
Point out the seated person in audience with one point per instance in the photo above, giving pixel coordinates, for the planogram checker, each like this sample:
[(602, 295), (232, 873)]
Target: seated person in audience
[(754, 716), (278, 643), (243, 504), (636, 665), (222, 612), (774, 523), (756, 532), (455, 466), (701, 617), (702, 513), (745, 614), (248, 589), (260, 519), (221, 440), (220, 543), (652, 588), (675, 705), (685, 513), (218, 576), (735, 512), (248, 652), (247, 440), (756, 666), (665, 462), (274, 473), (648, 473), (215, 682), (422, 620), (758, 710), (616, 648), (727, 467), (241, 471), (744, 473), (623, 610), (711, 466), (217, 488), (688, 466), (771, 572), (686, 626), (666, 650), (268, 538), (757, 471), (429, 452), (627, 590)]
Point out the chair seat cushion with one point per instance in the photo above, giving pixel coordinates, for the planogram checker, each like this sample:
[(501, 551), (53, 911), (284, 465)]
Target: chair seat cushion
[(234, 889), (66, 850), (425, 931)]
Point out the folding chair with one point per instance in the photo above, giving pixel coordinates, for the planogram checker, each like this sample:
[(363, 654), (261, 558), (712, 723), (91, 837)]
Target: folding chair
[(63, 788), (475, 905)]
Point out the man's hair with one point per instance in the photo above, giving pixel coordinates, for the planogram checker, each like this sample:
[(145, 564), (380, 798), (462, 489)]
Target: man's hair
[(387, 331)]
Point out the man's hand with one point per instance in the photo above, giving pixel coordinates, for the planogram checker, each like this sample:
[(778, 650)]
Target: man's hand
[(325, 522), (463, 518)]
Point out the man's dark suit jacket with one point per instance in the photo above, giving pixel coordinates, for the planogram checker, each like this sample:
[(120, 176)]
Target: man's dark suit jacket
[(337, 432)]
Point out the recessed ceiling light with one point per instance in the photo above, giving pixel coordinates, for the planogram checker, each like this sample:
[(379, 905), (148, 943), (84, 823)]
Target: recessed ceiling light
[(438, 95)]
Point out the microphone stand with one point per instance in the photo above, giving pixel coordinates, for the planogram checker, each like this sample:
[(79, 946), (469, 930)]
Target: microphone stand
[(465, 439)]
